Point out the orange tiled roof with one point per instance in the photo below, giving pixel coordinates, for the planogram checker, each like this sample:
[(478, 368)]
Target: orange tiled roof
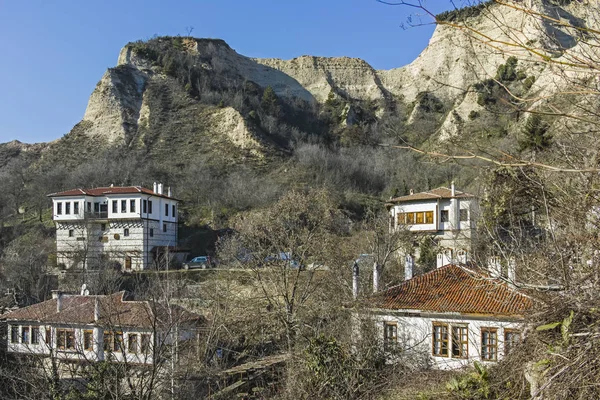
[(114, 311), (104, 191), (439, 193), (455, 289)]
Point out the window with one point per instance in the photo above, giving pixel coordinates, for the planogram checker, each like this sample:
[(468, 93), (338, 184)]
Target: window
[(429, 217), (25, 335), (440, 339), (132, 206), (444, 217), (132, 343), (59, 208), (126, 232), (115, 206), (151, 232), (65, 339), (102, 227), (511, 339), (76, 208), (96, 207), (89, 206), (48, 335), (166, 210), (118, 344), (164, 227), (14, 334), (145, 347), (149, 206), (464, 214), (35, 335), (418, 218), (67, 208), (71, 232), (123, 206), (173, 211), (390, 333), (145, 206), (460, 342), (489, 344), (88, 340), (108, 341)]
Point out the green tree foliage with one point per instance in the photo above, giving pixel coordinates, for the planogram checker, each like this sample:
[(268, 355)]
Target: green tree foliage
[(270, 102), (535, 135), (507, 72)]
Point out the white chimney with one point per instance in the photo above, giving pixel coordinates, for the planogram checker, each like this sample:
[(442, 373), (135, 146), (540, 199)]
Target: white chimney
[(452, 189), (495, 267), (411, 191), (408, 267), (375, 277), (512, 271), (154, 188), (169, 191), (59, 301), (440, 260), (355, 271), (96, 309), (160, 188), (461, 256)]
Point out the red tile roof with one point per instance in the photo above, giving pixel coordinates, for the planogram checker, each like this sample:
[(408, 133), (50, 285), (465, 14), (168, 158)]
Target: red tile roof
[(105, 191), (455, 289), (439, 193), (114, 311)]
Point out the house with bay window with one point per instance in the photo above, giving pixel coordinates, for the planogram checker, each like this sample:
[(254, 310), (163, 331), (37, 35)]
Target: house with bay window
[(132, 227), (452, 316), (446, 214), (84, 328)]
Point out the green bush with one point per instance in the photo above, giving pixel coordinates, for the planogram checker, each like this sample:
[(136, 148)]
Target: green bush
[(462, 13), (528, 83), (427, 102)]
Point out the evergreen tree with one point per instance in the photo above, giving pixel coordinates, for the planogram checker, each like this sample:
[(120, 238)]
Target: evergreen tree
[(536, 136)]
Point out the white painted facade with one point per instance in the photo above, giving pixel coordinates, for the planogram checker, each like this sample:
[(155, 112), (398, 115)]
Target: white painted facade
[(97, 225), (444, 213), (415, 335), (130, 348)]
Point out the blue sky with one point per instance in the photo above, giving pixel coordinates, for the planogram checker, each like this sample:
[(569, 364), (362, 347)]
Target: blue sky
[(54, 53)]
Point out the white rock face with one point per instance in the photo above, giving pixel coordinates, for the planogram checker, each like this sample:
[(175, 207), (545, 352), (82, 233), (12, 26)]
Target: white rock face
[(454, 60), (114, 105), (229, 123)]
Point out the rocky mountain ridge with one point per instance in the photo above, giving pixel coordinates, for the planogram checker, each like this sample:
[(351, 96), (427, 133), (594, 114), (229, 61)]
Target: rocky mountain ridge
[(147, 95)]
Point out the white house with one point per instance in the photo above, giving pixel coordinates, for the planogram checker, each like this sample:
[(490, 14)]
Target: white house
[(445, 213), (97, 328), (451, 316), (130, 225)]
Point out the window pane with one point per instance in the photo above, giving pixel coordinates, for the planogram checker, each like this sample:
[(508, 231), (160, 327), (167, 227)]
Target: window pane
[(70, 339), (132, 345), (115, 206), (420, 217), (25, 335), (444, 216), (145, 344), (429, 217), (410, 218), (35, 335), (132, 206), (76, 207), (464, 215), (88, 340)]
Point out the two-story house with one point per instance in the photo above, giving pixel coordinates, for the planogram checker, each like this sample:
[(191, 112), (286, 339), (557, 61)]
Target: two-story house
[(99, 327), (123, 225), (447, 214)]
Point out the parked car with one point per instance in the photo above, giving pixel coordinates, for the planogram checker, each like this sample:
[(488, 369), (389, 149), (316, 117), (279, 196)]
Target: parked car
[(284, 256), (198, 262)]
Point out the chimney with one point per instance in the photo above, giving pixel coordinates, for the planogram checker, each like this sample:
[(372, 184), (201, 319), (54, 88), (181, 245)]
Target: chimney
[(169, 191), (375, 277), (512, 271), (408, 267), (355, 271), (495, 267), (452, 189), (154, 188), (160, 188), (96, 309), (440, 260), (411, 191), (59, 301)]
